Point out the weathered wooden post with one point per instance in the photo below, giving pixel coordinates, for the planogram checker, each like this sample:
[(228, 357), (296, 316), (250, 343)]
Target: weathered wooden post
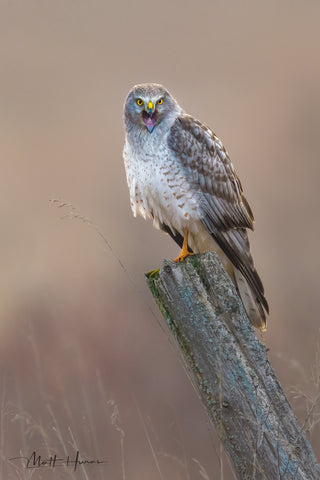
[(230, 368)]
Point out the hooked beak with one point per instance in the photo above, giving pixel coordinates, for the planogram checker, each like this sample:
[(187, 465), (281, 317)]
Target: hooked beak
[(149, 116), (150, 108)]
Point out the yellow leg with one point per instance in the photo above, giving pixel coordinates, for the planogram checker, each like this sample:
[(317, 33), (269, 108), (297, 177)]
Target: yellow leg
[(184, 251)]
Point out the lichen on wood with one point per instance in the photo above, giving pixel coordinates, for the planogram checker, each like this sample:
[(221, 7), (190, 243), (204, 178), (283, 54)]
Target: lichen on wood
[(230, 368)]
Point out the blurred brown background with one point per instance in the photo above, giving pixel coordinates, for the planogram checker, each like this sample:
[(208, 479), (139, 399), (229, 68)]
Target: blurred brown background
[(84, 362)]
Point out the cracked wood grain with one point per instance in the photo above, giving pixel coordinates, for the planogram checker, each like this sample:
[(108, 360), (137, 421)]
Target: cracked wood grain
[(230, 368)]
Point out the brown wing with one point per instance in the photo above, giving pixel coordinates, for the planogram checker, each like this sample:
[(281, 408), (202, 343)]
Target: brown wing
[(222, 206)]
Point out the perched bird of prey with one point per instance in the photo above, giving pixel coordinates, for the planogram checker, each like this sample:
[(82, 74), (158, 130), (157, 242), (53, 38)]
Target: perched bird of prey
[(180, 175)]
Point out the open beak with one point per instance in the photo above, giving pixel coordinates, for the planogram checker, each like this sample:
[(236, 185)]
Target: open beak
[(149, 116)]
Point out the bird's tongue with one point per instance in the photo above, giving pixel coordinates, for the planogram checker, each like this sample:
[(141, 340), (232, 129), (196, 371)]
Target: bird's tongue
[(149, 121)]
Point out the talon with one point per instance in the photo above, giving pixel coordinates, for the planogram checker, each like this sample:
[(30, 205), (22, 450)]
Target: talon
[(184, 251), (182, 257)]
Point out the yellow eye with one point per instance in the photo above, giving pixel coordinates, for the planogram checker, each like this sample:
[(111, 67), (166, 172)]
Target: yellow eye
[(160, 102), (139, 102)]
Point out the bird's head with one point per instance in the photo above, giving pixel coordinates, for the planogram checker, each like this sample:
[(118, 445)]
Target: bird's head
[(148, 105)]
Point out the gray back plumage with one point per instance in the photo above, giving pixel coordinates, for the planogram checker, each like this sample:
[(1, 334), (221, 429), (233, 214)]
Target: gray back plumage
[(224, 210)]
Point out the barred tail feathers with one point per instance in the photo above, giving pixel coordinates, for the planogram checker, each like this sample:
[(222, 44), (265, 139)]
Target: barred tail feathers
[(251, 303)]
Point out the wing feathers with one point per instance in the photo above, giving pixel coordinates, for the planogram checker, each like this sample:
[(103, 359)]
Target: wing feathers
[(223, 208), (235, 244)]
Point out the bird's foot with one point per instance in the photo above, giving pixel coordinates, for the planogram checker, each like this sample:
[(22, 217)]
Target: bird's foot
[(184, 251), (182, 256)]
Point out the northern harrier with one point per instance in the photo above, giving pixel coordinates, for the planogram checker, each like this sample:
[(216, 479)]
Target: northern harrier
[(180, 175)]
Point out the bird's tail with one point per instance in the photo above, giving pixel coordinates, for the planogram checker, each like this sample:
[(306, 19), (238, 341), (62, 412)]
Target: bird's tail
[(251, 303)]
